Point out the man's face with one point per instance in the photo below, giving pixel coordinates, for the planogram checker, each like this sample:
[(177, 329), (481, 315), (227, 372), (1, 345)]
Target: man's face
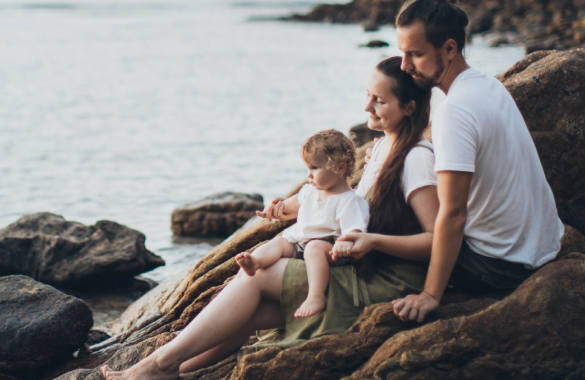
[(421, 59)]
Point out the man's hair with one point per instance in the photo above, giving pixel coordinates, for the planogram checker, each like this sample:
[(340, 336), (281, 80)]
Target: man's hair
[(443, 20), (338, 148)]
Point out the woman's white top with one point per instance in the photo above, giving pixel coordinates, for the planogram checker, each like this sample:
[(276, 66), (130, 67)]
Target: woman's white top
[(419, 169), (335, 215)]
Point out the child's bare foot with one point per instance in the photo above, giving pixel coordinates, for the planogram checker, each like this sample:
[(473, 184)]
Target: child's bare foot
[(312, 305), (248, 263), (146, 369)]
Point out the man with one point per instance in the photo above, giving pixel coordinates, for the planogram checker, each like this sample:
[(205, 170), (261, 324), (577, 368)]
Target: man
[(497, 220)]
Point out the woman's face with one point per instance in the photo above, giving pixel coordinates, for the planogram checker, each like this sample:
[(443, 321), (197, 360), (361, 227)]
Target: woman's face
[(382, 105)]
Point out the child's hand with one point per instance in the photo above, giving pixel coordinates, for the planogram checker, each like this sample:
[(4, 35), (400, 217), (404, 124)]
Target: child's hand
[(341, 249), (271, 211)]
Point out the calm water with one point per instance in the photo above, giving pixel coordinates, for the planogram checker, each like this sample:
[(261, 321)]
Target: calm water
[(125, 110)]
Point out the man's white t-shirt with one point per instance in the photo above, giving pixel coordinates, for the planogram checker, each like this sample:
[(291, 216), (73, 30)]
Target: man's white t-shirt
[(418, 170), (335, 215), (511, 211)]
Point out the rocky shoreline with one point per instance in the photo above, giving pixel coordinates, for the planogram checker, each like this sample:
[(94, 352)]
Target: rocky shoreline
[(535, 332), (539, 25)]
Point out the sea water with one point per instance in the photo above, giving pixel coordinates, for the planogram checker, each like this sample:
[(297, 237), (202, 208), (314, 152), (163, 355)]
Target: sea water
[(125, 110)]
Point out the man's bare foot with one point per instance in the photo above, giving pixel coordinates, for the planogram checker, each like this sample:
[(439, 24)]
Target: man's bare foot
[(312, 305), (143, 370), (248, 263)]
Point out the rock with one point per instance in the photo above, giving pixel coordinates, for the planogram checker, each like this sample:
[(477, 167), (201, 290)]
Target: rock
[(376, 44), (549, 88), (215, 215), (96, 336), (361, 134), (381, 12), (121, 359), (370, 26), (556, 24), (39, 326), (69, 254), (538, 332)]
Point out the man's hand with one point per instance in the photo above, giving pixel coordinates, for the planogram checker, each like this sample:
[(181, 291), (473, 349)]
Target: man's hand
[(415, 307), (341, 249), (273, 209)]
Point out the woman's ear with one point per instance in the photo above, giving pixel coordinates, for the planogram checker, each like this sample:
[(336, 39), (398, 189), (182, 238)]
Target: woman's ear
[(410, 108)]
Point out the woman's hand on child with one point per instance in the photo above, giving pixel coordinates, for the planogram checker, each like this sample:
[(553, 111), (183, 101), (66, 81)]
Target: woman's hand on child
[(341, 249), (362, 243)]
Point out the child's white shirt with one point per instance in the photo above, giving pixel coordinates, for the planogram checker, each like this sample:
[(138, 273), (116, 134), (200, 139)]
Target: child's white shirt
[(335, 215)]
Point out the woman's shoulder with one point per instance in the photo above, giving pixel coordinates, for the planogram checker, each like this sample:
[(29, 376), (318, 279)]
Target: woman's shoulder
[(422, 152)]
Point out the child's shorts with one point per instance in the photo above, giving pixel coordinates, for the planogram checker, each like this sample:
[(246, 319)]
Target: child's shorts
[(299, 250)]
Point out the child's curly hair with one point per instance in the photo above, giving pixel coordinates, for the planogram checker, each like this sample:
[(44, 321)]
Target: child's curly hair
[(338, 148)]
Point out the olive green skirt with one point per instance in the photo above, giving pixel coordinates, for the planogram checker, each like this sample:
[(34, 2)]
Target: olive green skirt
[(347, 296)]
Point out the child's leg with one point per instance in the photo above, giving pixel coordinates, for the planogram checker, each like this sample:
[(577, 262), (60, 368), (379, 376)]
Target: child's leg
[(316, 253), (265, 255)]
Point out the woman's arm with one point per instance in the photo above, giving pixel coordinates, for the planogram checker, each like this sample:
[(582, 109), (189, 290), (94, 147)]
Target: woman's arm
[(425, 203)]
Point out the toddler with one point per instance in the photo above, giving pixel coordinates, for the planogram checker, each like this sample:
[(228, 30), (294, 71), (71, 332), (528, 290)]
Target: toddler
[(325, 209)]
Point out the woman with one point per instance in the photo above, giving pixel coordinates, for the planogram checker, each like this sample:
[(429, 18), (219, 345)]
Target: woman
[(404, 206)]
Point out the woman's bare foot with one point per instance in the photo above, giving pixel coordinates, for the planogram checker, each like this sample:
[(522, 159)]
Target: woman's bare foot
[(248, 263), (312, 305), (147, 369)]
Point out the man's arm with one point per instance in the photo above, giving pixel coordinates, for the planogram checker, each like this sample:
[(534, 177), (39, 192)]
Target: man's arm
[(453, 192)]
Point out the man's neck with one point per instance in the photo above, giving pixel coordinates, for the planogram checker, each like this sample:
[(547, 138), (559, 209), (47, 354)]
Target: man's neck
[(454, 67)]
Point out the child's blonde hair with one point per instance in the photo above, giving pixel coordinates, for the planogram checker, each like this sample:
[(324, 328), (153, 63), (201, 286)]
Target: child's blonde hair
[(338, 149)]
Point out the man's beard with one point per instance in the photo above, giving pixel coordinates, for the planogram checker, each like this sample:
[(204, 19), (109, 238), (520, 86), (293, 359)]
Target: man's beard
[(426, 82)]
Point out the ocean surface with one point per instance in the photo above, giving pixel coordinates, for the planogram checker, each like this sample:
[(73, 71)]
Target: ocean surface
[(125, 110)]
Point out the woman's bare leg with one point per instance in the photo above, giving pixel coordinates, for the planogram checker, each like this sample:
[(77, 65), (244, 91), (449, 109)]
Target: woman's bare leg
[(268, 316), (265, 255), (226, 316), (317, 263)]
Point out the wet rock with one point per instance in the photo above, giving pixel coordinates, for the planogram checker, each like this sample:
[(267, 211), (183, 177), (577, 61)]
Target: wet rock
[(376, 44), (215, 215), (549, 88), (538, 332), (69, 254), (39, 326)]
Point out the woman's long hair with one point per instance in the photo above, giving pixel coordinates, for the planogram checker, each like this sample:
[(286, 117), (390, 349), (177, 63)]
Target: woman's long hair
[(389, 212)]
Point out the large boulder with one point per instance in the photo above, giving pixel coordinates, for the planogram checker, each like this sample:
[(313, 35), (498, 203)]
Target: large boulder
[(218, 215), (39, 326), (538, 332), (549, 88), (52, 250)]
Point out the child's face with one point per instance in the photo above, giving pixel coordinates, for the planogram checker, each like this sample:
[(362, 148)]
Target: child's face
[(319, 176)]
